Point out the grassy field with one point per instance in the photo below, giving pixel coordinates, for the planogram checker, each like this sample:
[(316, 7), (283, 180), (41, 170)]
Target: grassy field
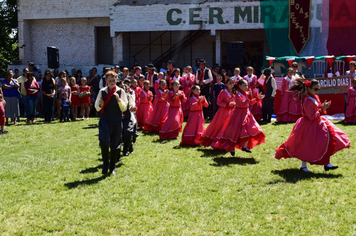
[(51, 184)]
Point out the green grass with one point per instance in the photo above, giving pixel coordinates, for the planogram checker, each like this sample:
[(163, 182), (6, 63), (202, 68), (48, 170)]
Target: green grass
[(51, 184)]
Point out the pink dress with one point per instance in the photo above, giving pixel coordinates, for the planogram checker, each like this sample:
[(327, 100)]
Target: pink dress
[(144, 108), (137, 95), (221, 117), (242, 127), (159, 115), (173, 124), (290, 109), (350, 115), (156, 88), (2, 113), (255, 108), (187, 83), (314, 138), (195, 124)]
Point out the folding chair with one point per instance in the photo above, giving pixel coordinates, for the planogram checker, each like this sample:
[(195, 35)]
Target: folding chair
[(339, 65), (318, 68), (278, 67)]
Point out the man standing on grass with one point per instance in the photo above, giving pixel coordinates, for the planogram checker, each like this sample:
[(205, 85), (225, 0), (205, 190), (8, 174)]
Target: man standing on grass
[(111, 102)]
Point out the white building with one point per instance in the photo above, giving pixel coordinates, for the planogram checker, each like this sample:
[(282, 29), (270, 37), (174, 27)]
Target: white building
[(108, 32)]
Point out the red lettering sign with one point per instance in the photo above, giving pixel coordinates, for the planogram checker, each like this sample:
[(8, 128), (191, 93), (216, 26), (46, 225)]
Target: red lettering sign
[(299, 22)]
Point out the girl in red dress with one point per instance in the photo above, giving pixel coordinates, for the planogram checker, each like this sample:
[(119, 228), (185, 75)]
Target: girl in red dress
[(187, 82), (226, 101), (314, 138), (145, 107), (255, 108), (175, 77), (84, 96), (160, 112), (291, 107), (195, 124), (2, 113), (350, 115), (137, 90), (160, 77), (242, 130), (173, 124), (74, 88)]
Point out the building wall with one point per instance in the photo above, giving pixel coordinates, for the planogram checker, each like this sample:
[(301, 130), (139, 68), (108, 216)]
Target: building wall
[(60, 9), (74, 38)]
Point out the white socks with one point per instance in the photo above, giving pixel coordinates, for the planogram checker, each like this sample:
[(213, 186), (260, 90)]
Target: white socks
[(329, 165), (304, 167)]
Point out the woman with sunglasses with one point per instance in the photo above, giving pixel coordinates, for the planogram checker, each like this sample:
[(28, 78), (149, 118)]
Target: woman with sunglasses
[(314, 138)]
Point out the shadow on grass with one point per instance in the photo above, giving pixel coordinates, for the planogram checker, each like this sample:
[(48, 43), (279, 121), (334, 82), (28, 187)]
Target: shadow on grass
[(211, 152), (91, 126), (97, 168), (185, 146), (226, 161), (295, 175), (343, 123), (75, 184), (163, 141), (147, 133), (282, 123)]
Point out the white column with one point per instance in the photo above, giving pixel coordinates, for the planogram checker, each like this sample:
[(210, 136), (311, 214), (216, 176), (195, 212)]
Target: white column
[(218, 47), (118, 47)]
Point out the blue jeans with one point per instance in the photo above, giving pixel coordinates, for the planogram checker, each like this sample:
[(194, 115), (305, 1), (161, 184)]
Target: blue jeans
[(31, 106), (23, 97)]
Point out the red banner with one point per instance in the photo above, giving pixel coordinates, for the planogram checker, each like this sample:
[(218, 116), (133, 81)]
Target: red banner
[(299, 23)]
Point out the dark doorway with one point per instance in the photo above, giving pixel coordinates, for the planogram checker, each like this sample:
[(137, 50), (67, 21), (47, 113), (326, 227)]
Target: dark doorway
[(104, 47)]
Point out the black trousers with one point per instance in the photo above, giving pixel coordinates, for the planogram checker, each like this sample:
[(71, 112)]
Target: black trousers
[(206, 91), (127, 135), (47, 108), (110, 133), (267, 108)]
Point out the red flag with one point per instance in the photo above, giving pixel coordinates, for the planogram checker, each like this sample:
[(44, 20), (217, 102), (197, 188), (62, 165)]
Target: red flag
[(330, 60), (290, 61), (310, 60), (350, 58)]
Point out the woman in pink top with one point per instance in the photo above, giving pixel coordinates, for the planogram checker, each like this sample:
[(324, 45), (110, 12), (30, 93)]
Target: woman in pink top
[(226, 101), (291, 107), (32, 89), (173, 124), (314, 138), (242, 130), (160, 112), (145, 107), (187, 82), (350, 115), (195, 124)]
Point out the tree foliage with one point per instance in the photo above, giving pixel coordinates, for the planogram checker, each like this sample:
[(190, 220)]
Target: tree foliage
[(8, 33)]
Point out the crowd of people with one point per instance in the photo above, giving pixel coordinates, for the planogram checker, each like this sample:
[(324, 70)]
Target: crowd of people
[(158, 101)]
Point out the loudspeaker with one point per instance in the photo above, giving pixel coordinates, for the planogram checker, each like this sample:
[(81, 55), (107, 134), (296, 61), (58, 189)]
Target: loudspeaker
[(52, 57), (234, 53)]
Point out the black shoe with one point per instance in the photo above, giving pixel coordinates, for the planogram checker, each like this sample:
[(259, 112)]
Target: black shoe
[(304, 169), (105, 170), (245, 150), (327, 168), (232, 154)]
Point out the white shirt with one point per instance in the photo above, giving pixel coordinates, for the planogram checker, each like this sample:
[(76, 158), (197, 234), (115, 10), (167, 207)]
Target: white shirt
[(123, 98)]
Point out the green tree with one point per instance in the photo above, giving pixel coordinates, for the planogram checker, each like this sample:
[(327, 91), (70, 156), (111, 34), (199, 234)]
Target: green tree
[(8, 33)]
